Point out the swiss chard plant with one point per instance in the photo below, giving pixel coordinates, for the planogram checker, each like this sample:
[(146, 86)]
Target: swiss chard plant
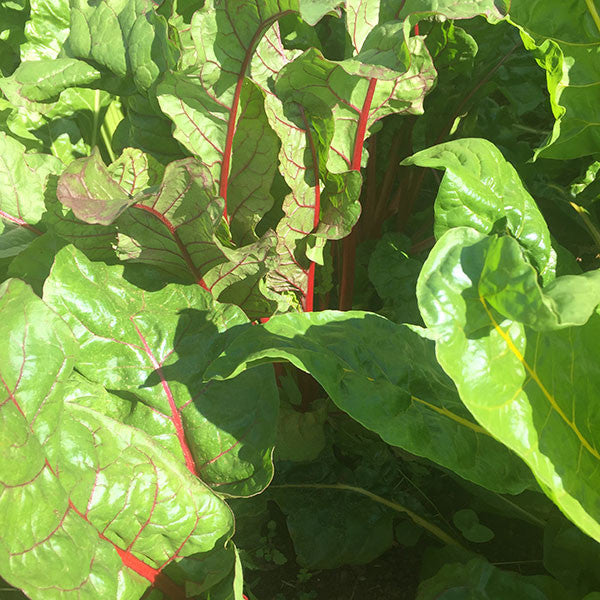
[(288, 287)]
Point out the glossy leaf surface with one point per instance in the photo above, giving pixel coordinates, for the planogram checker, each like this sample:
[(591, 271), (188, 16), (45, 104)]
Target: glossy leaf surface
[(117, 510), (158, 345), (528, 388), (480, 189)]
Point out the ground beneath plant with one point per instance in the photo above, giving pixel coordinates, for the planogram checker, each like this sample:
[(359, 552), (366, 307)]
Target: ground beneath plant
[(393, 576)]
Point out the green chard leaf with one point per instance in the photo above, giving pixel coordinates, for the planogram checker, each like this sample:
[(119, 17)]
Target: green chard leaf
[(118, 510), (177, 226), (46, 29), (522, 358), (127, 40), (479, 580), (480, 189), (206, 99), (332, 527), (388, 380), (159, 345), (23, 180)]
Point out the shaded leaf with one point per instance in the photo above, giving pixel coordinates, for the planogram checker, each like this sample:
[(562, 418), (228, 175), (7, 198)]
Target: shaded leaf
[(411, 403), (333, 528), (479, 580), (563, 37)]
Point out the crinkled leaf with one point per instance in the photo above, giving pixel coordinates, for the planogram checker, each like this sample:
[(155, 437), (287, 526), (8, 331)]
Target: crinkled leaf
[(204, 100), (128, 39), (46, 29), (533, 390), (354, 99), (43, 80), (158, 346), (23, 179), (480, 189), (117, 510), (388, 380)]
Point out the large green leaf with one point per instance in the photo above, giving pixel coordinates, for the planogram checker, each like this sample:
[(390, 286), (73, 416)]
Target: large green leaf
[(43, 80), (151, 347), (534, 389), (480, 189), (387, 379), (204, 98), (117, 510), (565, 39)]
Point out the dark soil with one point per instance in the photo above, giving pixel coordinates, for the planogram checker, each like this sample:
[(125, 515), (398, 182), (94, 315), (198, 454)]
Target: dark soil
[(393, 576)]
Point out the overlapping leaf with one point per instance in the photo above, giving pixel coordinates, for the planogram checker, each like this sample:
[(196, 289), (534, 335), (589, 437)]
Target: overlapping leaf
[(151, 347), (177, 226), (479, 580), (565, 38), (128, 40), (117, 510), (388, 380), (46, 29), (333, 528), (204, 100), (533, 390)]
